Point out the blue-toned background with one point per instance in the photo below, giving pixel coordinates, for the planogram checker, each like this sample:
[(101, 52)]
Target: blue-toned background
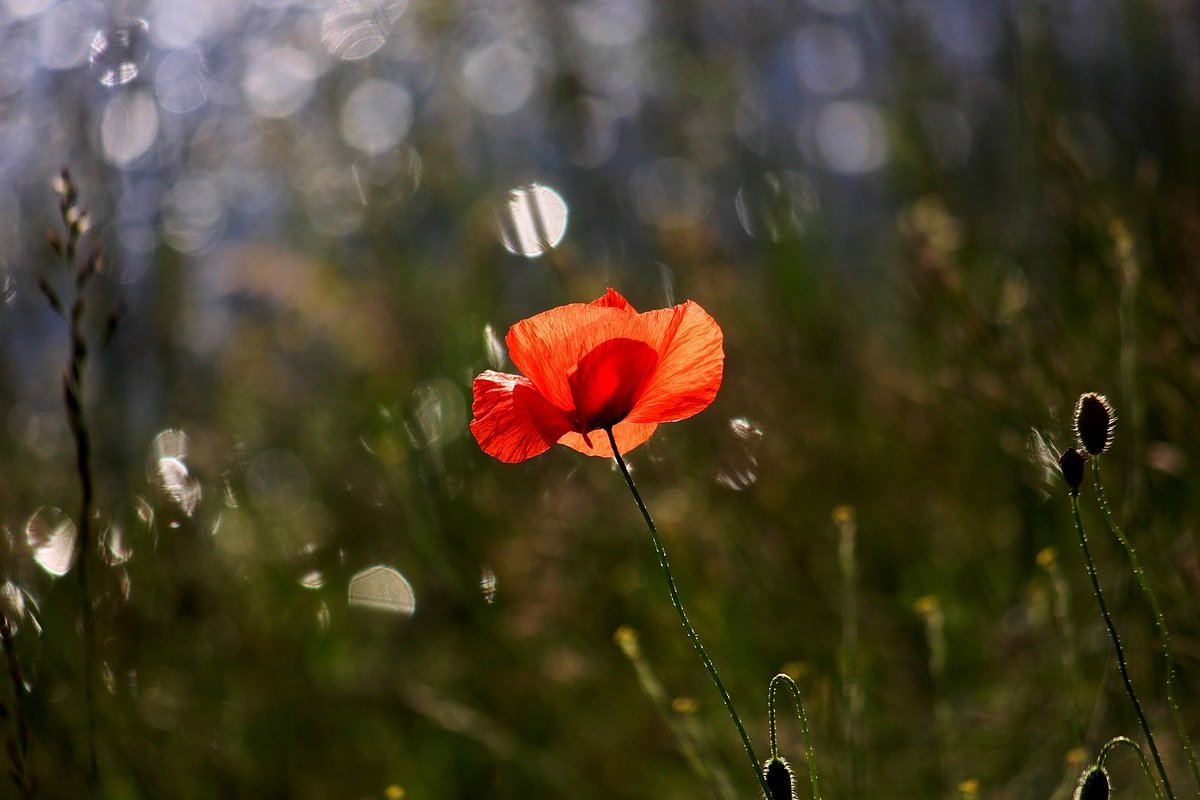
[(925, 227)]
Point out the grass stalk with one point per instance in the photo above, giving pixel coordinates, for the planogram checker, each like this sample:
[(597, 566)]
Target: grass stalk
[(1118, 649), (1160, 620), (1060, 594), (17, 744), (852, 690), (685, 737), (76, 221)]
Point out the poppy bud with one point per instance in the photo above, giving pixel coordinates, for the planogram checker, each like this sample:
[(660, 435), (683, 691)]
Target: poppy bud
[(1071, 463), (1093, 785), (778, 774), (1094, 422)]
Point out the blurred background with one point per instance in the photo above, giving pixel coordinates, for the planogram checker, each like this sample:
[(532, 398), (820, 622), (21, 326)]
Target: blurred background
[(925, 226)]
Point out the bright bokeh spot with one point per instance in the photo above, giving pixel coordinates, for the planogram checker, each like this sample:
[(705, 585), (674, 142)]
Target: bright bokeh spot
[(739, 461), (497, 353), (50, 535), (279, 81), (488, 585), (178, 24), (355, 29), (381, 588), (128, 127), (777, 206), (182, 81), (608, 23), (193, 212), (63, 35), (376, 116), (532, 221), (20, 9), (439, 412), (828, 59), (169, 471), (851, 137), (117, 54), (498, 78)]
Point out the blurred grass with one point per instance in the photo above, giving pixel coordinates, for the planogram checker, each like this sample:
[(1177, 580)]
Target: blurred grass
[(898, 369)]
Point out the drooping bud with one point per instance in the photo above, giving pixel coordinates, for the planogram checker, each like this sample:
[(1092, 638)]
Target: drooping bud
[(1094, 423), (1071, 463), (1093, 785), (780, 782)]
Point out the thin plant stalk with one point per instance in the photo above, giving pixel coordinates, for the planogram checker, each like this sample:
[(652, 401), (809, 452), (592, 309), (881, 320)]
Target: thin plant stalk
[(809, 755), (1118, 650), (1160, 620), (1060, 594), (1129, 271), (76, 221), (1125, 741), (73, 395), (685, 738), (683, 619), (18, 746), (844, 519), (930, 609)]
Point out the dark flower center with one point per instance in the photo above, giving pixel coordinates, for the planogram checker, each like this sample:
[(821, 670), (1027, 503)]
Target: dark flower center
[(609, 380)]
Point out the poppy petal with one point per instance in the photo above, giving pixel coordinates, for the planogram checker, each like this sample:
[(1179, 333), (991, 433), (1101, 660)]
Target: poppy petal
[(512, 421), (690, 366), (628, 434), (613, 299), (608, 381), (547, 346)]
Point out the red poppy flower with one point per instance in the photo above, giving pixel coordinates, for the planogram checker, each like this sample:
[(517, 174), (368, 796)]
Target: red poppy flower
[(595, 366)]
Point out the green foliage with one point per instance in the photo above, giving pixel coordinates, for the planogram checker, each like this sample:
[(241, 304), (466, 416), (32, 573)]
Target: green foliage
[(890, 359)]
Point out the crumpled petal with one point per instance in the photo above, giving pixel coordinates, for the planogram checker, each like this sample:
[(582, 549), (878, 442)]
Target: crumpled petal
[(629, 435), (613, 299), (690, 367), (512, 421), (547, 346)]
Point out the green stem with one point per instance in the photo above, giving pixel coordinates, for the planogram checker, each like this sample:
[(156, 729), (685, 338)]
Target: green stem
[(809, 755), (1120, 652), (18, 748), (1125, 741), (851, 688), (1160, 620), (73, 397), (687, 626)]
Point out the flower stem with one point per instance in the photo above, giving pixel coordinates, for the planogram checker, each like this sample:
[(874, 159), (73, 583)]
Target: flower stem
[(1118, 650), (1160, 621), (1124, 741), (687, 626), (808, 748)]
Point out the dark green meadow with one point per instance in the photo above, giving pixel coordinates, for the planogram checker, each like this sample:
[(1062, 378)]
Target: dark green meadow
[(925, 231)]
